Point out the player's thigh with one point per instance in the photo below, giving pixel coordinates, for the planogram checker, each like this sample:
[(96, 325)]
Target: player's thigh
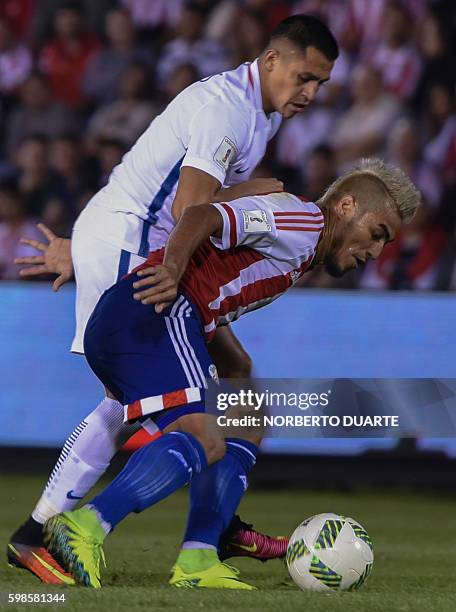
[(154, 363), (97, 266)]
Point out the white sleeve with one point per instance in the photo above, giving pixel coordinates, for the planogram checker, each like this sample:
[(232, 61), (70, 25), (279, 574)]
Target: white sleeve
[(278, 225), (246, 222), (217, 137)]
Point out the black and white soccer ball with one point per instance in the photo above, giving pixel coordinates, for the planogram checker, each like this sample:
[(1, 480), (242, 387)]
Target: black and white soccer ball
[(329, 552)]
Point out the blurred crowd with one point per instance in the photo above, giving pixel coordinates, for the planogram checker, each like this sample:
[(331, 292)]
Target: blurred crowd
[(80, 81)]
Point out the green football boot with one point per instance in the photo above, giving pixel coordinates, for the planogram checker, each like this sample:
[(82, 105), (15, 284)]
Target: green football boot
[(76, 539), (219, 576)]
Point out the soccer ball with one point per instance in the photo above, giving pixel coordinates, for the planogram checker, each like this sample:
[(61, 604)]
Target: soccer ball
[(329, 552)]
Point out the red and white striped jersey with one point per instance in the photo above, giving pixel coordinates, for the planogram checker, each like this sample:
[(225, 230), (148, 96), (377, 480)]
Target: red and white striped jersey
[(267, 243)]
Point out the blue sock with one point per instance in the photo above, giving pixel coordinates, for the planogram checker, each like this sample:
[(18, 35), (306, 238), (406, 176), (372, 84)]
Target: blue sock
[(152, 473), (215, 494)]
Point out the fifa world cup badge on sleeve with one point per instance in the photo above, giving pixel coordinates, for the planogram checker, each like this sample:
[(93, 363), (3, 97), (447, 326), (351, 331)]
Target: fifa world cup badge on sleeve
[(256, 221), (225, 153)]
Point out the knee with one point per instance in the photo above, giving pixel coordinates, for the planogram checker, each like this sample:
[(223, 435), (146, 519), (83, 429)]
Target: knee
[(204, 429), (214, 447), (255, 436), (108, 413), (106, 426)]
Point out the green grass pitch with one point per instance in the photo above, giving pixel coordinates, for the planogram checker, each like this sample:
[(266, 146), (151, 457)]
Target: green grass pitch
[(414, 539)]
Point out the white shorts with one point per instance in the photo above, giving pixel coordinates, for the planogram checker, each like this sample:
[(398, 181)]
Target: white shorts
[(97, 266)]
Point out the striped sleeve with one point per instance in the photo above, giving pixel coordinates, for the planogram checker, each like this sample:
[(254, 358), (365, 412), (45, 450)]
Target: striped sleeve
[(298, 232), (278, 225), (246, 222), (229, 232), (299, 221)]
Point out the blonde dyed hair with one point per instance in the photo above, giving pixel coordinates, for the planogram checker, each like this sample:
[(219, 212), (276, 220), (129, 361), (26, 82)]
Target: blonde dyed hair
[(375, 184)]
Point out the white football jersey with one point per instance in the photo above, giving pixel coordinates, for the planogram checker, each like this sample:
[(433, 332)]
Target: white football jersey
[(216, 125)]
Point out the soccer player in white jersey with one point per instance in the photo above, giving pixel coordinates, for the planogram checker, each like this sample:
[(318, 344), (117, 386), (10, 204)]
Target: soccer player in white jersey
[(234, 258), (202, 148)]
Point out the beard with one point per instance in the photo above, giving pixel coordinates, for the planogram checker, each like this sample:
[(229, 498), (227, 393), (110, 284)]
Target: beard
[(333, 268)]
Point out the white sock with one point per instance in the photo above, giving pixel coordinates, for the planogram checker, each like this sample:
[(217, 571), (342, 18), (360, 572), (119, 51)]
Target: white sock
[(84, 459)]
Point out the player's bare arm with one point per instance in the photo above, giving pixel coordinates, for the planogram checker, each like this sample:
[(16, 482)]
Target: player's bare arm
[(198, 187), (192, 229), (248, 188)]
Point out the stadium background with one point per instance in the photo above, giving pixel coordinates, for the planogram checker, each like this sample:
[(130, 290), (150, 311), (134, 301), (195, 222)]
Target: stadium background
[(79, 82)]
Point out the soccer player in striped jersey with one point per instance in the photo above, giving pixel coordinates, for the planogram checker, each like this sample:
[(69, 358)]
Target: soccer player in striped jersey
[(234, 258), (202, 148)]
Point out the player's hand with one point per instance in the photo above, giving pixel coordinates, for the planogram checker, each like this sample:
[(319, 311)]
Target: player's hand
[(163, 291), (55, 258), (260, 185)]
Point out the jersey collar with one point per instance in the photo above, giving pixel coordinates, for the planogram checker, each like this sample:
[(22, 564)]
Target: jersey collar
[(254, 85)]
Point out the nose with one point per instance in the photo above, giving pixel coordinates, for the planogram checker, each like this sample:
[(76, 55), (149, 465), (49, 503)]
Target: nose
[(310, 90), (375, 250)]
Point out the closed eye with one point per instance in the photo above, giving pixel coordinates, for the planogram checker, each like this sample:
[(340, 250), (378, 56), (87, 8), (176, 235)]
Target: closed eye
[(384, 234), (307, 77)]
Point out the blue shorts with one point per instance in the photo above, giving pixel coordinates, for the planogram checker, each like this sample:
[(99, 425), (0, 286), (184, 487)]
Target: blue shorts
[(156, 365)]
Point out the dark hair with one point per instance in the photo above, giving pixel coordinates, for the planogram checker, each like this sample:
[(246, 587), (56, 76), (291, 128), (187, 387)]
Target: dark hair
[(68, 136), (10, 187), (112, 142), (307, 31), (323, 150), (35, 137), (71, 5), (195, 7)]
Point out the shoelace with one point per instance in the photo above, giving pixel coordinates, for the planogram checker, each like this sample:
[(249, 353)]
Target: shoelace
[(98, 552)]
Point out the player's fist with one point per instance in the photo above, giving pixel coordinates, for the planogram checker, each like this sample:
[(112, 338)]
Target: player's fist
[(162, 283)]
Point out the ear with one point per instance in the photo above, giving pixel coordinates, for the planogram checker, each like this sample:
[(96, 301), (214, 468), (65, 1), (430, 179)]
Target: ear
[(346, 208), (271, 57)]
